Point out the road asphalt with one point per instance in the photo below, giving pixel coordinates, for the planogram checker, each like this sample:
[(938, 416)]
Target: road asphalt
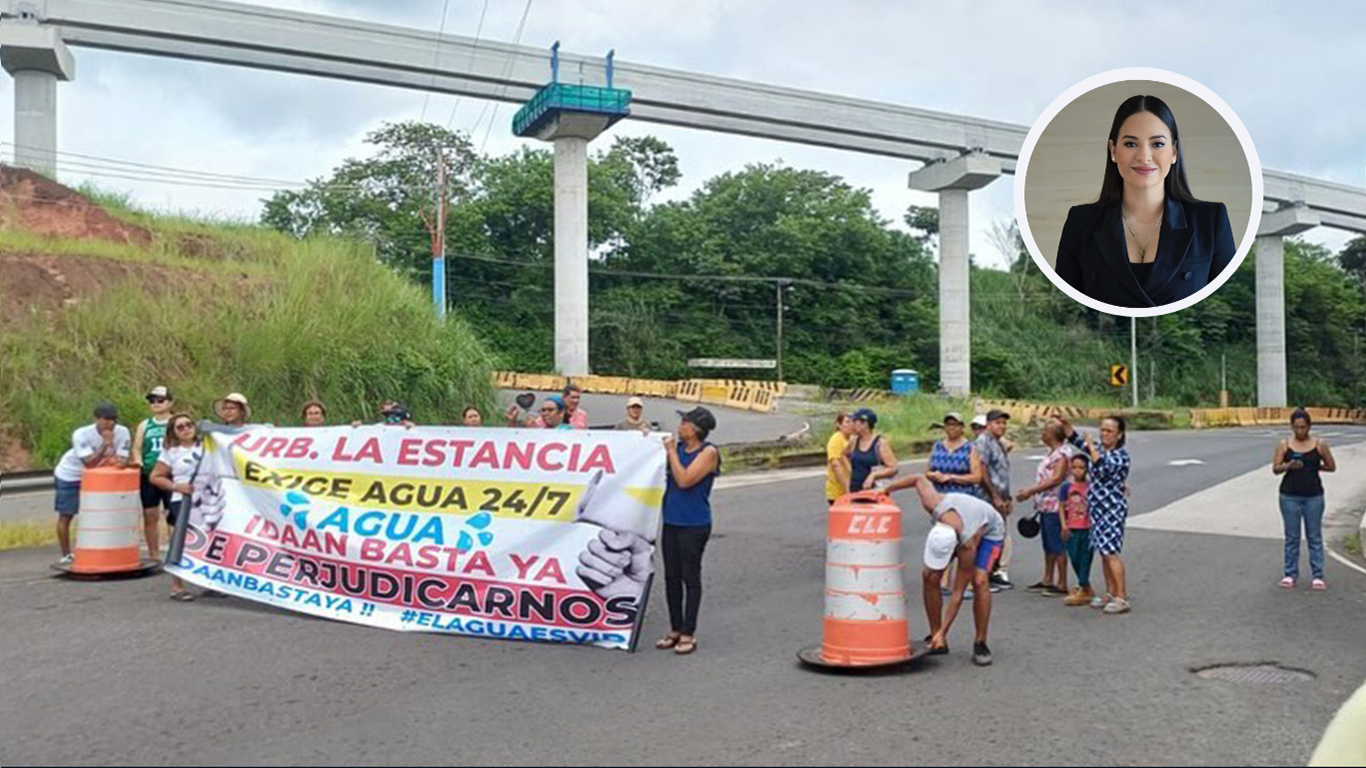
[(114, 673)]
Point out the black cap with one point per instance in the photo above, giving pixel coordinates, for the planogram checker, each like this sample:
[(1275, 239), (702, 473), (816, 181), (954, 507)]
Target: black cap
[(699, 417), (996, 413), (106, 411)]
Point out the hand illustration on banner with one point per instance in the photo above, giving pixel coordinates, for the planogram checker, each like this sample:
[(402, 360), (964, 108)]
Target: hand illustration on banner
[(617, 563)]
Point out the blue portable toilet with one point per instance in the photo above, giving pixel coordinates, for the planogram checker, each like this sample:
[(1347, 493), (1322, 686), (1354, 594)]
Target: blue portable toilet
[(905, 382)]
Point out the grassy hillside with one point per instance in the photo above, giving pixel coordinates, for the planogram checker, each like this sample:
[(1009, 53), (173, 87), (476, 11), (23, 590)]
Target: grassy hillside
[(206, 309)]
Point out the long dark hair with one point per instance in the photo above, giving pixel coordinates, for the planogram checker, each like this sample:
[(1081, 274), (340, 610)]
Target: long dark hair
[(1175, 185)]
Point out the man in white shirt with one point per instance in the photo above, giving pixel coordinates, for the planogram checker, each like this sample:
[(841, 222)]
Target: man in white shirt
[(103, 443), (973, 531)]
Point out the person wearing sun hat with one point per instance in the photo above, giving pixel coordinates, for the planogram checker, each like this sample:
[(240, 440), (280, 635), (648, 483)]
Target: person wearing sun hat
[(635, 416), (232, 409)]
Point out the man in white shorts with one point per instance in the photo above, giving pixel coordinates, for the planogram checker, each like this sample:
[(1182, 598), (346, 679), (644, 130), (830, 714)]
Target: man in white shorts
[(973, 531)]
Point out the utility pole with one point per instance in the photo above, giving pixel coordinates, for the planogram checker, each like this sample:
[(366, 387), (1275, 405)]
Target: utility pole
[(1223, 380), (439, 240), (1133, 358), (779, 285)]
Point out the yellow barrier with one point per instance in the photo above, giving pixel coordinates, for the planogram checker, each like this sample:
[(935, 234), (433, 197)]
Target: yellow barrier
[(690, 391), (715, 394), (736, 393), (763, 401), (741, 397)]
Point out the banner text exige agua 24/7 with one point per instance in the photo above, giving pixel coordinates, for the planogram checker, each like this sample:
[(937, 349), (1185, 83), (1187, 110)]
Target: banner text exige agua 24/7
[(521, 534)]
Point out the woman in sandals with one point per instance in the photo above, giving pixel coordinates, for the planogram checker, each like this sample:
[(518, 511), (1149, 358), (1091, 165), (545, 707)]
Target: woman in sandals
[(174, 472), (694, 464), (1300, 459)]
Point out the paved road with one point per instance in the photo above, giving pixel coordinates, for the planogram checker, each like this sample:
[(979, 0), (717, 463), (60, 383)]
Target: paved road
[(115, 673)]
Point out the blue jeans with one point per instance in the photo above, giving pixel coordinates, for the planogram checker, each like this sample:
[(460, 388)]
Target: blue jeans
[(1308, 509)]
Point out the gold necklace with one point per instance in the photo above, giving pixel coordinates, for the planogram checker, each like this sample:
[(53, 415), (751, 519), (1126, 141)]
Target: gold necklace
[(1142, 249)]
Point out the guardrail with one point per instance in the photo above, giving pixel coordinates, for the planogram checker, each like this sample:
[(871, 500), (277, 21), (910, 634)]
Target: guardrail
[(758, 396), (27, 481)]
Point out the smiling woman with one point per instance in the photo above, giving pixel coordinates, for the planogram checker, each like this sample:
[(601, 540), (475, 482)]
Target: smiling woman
[(1147, 241)]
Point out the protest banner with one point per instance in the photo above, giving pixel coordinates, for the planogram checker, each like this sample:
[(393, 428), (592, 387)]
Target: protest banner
[(510, 533)]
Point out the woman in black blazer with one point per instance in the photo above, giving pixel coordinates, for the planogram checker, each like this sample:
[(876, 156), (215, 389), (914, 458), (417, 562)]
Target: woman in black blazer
[(1147, 242)]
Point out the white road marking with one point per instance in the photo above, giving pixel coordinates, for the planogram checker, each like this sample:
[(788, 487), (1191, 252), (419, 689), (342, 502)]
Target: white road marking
[(1248, 505), (1184, 462)]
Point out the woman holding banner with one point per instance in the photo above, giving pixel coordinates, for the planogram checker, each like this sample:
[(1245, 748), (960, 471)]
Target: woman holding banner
[(174, 471), (693, 466)]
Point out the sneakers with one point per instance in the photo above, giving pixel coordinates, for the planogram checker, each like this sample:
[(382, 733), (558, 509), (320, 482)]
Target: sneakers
[(1001, 579), (1079, 597), (1117, 605), (67, 560), (981, 655), (1100, 601)]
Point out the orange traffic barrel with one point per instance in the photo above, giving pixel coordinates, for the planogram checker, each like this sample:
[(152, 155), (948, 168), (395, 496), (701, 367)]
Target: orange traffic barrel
[(865, 596), (109, 526)]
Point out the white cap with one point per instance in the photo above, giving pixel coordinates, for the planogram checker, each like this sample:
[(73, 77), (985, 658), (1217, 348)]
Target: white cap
[(939, 546), (634, 402), (980, 420)]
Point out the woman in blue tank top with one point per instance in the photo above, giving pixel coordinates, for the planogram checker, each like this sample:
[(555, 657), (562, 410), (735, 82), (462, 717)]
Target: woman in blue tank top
[(954, 465), (870, 456), (693, 466)]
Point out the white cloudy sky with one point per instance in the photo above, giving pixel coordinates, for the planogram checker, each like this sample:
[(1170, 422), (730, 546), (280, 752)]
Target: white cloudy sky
[(1293, 73)]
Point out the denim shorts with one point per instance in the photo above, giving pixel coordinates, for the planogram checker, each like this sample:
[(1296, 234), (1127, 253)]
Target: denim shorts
[(1050, 524), (67, 501)]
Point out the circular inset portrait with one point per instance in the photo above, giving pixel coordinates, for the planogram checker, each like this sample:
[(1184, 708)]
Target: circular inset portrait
[(1138, 192)]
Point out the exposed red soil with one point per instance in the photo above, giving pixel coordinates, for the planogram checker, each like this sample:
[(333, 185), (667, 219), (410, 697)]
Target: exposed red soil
[(35, 203)]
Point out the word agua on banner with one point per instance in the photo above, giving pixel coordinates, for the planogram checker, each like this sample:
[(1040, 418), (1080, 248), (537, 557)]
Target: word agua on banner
[(510, 533)]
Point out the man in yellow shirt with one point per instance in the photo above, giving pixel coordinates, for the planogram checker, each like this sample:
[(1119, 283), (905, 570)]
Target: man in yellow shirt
[(836, 463)]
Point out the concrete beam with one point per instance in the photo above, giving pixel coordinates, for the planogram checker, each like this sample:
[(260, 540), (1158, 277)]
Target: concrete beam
[(971, 171), (577, 125), (27, 47), (1287, 221), (37, 59), (238, 33)]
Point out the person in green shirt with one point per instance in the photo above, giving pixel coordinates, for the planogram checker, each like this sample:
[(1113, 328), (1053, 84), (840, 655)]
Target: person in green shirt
[(146, 449)]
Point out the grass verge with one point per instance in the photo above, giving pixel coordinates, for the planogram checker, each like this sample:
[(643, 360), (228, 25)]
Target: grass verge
[(278, 319)]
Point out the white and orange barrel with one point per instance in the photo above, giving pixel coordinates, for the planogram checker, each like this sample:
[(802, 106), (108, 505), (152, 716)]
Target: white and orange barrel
[(110, 524), (865, 595)]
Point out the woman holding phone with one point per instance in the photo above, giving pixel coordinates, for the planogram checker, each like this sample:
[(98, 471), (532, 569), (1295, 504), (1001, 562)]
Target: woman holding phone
[(1299, 460)]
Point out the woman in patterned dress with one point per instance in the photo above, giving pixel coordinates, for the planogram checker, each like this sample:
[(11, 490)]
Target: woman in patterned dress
[(1109, 506)]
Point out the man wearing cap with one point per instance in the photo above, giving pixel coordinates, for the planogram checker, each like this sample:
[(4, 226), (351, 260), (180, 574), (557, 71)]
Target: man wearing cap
[(146, 448), (635, 416), (103, 443), (972, 531), (996, 480)]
